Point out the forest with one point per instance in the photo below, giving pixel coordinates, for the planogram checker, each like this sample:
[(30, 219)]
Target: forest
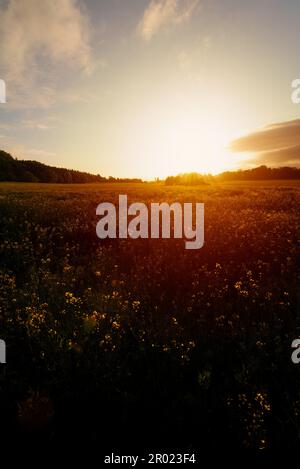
[(15, 170)]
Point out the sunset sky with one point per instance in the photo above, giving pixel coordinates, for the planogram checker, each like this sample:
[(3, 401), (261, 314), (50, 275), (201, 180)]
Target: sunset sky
[(141, 88)]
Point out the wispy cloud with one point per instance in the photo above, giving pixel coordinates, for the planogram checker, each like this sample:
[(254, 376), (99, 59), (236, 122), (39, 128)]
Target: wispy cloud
[(164, 14), (23, 152), (289, 156), (275, 144), (271, 137), (35, 124), (35, 37), (34, 152)]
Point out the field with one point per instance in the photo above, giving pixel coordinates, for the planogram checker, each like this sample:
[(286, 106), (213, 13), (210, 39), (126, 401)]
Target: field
[(141, 343)]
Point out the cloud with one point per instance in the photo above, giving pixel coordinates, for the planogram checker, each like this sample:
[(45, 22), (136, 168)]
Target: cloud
[(34, 152), (289, 156), (34, 124), (275, 144), (164, 14), (37, 36), (23, 152), (271, 137)]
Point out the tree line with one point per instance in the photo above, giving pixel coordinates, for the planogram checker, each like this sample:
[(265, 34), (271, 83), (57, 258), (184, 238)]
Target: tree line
[(15, 170), (12, 169), (255, 174)]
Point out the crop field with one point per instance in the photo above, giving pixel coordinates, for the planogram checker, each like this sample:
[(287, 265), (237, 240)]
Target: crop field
[(120, 341)]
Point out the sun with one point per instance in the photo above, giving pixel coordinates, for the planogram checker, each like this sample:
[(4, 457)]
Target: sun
[(192, 145), (170, 142)]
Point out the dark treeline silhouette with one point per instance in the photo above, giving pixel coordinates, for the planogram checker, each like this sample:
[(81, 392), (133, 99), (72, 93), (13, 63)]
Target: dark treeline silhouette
[(112, 179), (15, 170), (186, 179), (262, 172), (12, 169), (256, 174)]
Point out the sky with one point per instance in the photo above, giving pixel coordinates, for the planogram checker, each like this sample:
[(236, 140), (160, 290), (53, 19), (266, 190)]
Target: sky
[(150, 88)]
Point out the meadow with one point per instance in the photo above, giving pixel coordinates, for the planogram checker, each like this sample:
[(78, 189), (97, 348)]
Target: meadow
[(142, 343)]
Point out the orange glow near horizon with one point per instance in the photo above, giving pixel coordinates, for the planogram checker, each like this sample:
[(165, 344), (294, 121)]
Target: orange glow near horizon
[(181, 142)]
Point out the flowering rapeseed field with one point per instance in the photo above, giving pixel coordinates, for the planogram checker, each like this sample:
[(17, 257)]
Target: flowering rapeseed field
[(110, 341)]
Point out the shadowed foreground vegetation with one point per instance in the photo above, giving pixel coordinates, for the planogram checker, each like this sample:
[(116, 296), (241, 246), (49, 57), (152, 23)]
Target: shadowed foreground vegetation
[(141, 343)]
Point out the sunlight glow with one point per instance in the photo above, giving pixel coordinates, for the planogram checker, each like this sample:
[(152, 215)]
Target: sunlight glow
[(179, 142)]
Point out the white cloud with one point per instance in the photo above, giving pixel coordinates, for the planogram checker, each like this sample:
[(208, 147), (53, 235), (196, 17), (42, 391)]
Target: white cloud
[(35, 37), (34, 152), (21, 152), (163, 14), (35, 124), (192, 61)]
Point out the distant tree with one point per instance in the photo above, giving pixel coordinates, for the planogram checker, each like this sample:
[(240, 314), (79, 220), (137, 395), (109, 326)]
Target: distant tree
[(187, 179), (260, 173)]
